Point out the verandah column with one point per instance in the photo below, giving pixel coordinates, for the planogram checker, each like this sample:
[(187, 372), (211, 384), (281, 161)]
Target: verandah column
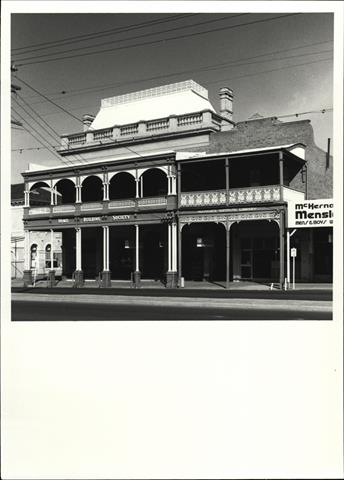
[(172, 276), (78, 274), (106, 274), (179, 252), (27, 278), (281, 248), (137, 273), (51, 273)]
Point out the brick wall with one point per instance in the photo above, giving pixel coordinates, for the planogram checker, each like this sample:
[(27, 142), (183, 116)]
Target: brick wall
[(268, 132)]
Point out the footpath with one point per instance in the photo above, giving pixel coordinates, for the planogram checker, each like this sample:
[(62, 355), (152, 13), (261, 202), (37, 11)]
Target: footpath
[(248, 295)]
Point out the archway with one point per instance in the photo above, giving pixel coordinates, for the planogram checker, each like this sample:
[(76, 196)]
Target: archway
[(154, 183), (92, 189), (122, 186), (33, 256), (40, 194), (204, 252), (67, 190), (255, 247)]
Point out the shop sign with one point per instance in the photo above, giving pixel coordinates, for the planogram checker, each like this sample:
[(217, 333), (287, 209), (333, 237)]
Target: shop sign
[(63, 220), (117, 218), (310, 213), (91, 219)]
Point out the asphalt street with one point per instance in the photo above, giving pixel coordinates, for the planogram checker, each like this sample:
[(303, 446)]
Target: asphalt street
[(41, 310)]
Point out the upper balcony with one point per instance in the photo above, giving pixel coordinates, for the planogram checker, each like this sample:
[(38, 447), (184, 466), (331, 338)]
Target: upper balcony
[(174, 124), (239, 196), (111, 207)]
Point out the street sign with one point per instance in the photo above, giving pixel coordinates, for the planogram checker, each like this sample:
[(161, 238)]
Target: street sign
[(293, 252)]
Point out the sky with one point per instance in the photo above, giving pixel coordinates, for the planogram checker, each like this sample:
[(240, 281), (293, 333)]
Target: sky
[(276, 63)]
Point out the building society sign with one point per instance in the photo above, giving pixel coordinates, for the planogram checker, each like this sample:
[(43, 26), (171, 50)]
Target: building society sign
[(310, 213)]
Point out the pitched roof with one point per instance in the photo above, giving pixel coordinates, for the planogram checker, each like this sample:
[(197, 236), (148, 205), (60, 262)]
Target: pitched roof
[(152, 104)]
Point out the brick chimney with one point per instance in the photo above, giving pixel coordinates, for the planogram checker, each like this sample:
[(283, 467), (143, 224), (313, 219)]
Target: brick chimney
[(226, 103), (87, 121)]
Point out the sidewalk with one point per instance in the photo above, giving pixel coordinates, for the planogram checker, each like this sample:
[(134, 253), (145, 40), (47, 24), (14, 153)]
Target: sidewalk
[(189, 285)]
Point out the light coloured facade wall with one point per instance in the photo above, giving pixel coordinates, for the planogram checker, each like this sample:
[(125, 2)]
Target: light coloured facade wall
[(41, 239)]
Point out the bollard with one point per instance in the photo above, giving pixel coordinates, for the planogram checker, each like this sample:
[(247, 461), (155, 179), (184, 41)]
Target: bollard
[(181, 282)]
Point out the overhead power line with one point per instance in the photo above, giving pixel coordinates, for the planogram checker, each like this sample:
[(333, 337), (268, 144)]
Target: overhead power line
[(40, 139), (55, 134), (322, 111), (52, 135), (149, 34), (223, 80), (269, 71), (48, 99), (144, 35), (102, 33), (66, 111), (142, 44), (233, 63)]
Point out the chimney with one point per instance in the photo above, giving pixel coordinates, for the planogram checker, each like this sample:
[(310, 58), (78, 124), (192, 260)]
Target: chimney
[(226, 103), (87, 121)]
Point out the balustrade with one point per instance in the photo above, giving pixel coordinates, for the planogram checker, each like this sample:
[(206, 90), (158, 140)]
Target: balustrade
[(189, 119), (129, 203), (236, 196), (39, 210), (151, 201), (91, 206), (195, 199), (63, 208), (206, 118), (102, 134)]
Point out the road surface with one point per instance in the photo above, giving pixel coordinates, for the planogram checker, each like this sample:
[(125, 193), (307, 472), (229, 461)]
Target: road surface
[(41, 310)]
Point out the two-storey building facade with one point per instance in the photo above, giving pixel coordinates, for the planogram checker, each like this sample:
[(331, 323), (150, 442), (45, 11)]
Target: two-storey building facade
[(161, 186)]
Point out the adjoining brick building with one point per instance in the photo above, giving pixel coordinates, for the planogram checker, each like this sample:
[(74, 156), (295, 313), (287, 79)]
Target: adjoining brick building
[(40, 241), (161, 186)]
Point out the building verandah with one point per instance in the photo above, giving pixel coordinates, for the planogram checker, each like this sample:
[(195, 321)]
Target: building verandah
[(232, 246), (112, 252)]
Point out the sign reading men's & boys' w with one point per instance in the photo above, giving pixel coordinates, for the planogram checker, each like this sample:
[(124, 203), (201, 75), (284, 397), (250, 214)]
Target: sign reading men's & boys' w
[(310, 213)]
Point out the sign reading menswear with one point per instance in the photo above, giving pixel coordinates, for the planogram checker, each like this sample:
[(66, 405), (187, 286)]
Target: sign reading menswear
[(310, 213)]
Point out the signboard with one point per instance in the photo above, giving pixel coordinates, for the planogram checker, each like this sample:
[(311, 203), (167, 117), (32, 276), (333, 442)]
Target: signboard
[(310, 213), (293, 252)]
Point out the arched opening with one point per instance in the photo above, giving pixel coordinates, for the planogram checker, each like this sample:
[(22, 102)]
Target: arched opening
[(48, 256), (122, 186), (40, 194), (204, 252), (92, 189), (34, 256), (67, 190), (255, 247), (154, 182)]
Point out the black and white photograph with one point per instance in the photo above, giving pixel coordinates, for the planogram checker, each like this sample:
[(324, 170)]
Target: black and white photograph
[(172, 182), (192, 161)]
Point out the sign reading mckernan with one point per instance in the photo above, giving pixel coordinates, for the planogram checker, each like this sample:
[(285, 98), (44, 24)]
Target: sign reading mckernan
[(310, 213)]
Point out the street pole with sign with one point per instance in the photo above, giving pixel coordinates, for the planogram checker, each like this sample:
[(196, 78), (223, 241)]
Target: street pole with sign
[(289, 235), (293, 256)]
